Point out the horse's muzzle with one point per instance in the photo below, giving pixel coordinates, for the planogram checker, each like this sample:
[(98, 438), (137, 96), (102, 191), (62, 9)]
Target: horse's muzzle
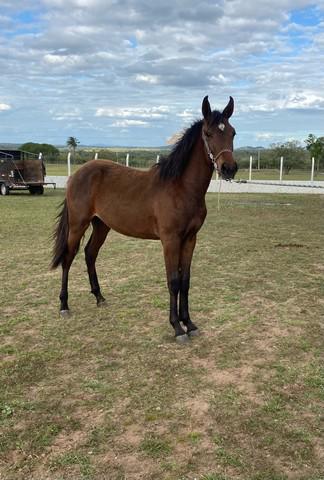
[(228, 170)]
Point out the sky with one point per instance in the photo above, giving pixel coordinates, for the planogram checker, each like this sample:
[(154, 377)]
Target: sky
[(135, 72)]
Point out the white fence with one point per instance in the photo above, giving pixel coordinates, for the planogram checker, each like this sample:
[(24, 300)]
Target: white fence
[(241, 187), (281, 169), (250, 186), (280, 175)]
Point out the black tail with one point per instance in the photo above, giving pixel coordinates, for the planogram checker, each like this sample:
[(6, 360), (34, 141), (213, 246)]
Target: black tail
[(60, 237)]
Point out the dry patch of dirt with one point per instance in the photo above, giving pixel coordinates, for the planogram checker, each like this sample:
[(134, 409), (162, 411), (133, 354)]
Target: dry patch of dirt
[(134, 467), (66, 441), (241, 378)]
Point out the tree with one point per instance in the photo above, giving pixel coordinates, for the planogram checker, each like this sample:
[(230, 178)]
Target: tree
[(292, 152), (50, 152), (315, 146), (72, 143)]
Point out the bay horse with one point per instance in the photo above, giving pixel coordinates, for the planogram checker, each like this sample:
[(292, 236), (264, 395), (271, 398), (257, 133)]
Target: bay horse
[(165, 203)]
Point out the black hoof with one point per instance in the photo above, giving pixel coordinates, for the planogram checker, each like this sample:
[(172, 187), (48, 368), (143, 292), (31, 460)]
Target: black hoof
[(182, 339), (65, 313), (194, 333)]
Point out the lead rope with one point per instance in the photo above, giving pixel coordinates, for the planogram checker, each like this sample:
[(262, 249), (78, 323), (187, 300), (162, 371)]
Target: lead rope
[(219, 192), (214, 162)]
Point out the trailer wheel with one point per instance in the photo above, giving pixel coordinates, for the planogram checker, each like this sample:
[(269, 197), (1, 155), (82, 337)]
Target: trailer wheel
[(4, 189)]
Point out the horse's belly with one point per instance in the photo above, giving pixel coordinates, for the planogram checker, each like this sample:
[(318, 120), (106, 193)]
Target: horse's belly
[(136, 232), (133, 225)]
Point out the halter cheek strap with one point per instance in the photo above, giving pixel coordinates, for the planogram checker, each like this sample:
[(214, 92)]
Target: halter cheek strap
[(210, 153)]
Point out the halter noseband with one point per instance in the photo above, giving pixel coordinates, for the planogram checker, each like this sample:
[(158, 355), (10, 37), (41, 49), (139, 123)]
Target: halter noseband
[(210, 153)]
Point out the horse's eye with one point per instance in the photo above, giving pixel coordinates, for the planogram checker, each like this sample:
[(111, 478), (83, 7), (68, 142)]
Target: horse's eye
[(208, 134)]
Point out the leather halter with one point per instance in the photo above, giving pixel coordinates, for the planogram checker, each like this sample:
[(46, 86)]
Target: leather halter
[(210, 154)]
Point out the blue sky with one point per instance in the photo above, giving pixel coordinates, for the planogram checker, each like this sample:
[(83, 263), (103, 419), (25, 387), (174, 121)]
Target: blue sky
[(135, 72)]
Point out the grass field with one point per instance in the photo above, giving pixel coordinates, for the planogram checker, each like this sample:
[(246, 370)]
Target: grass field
[(108, 394), (243, 174)]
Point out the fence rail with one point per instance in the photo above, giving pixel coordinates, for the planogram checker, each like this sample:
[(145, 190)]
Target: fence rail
[(239, 186)]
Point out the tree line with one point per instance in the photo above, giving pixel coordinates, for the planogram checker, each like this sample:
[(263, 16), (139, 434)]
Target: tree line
[(295, 154)]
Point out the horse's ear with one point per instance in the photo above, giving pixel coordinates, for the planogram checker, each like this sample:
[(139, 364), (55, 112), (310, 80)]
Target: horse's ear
[(228, 110), (206, 110)]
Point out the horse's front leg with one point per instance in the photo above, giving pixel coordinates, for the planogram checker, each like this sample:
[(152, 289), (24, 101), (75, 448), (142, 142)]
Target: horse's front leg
[(185, 264), (171, 249)]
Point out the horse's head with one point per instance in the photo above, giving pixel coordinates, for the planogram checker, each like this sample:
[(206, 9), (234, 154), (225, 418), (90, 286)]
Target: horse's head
[(218, 135)]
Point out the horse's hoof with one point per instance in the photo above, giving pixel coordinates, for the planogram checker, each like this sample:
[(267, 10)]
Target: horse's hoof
[(102, 303), (65, 313), (182, 338), (194, 333)]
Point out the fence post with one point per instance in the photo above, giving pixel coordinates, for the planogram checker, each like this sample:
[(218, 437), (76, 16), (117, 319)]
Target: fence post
[(281, 168), (96, 156), (127, 160), (313, 168), (250, 169), (40, 156), (157, 158), (69, 164)]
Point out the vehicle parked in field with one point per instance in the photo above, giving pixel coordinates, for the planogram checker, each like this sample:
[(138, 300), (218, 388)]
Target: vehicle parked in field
[(21, 170)]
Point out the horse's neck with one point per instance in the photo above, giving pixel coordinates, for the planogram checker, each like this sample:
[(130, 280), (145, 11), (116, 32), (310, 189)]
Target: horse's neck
[(199, 171)]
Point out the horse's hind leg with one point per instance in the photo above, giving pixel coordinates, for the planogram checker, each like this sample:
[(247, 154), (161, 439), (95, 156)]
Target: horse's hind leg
[(98, 236), (73, 243)]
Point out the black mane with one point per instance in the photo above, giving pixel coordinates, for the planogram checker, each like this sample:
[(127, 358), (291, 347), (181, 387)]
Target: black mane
[(174, 165)]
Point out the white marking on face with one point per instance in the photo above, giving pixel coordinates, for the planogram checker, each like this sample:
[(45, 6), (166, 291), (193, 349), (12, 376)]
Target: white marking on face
[(221, 126)]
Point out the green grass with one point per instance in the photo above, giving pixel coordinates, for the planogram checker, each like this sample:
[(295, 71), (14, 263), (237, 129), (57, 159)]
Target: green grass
[(274, 174), (155, 447), (58, 169), (108, 393)]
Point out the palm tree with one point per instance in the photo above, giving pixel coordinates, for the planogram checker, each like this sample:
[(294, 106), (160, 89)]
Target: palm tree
[(72, 143)]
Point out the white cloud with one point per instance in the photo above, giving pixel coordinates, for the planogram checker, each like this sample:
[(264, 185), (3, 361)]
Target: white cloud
[(63, 60), (129, 123), (265, 135), (305, 100), (295, 100), (138, 112), (188, 115), (218, 78), (4, 106), (146, 78), (66, 115), (139, 61)]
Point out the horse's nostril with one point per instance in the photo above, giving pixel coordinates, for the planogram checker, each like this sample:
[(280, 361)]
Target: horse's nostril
[(229, 170)]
